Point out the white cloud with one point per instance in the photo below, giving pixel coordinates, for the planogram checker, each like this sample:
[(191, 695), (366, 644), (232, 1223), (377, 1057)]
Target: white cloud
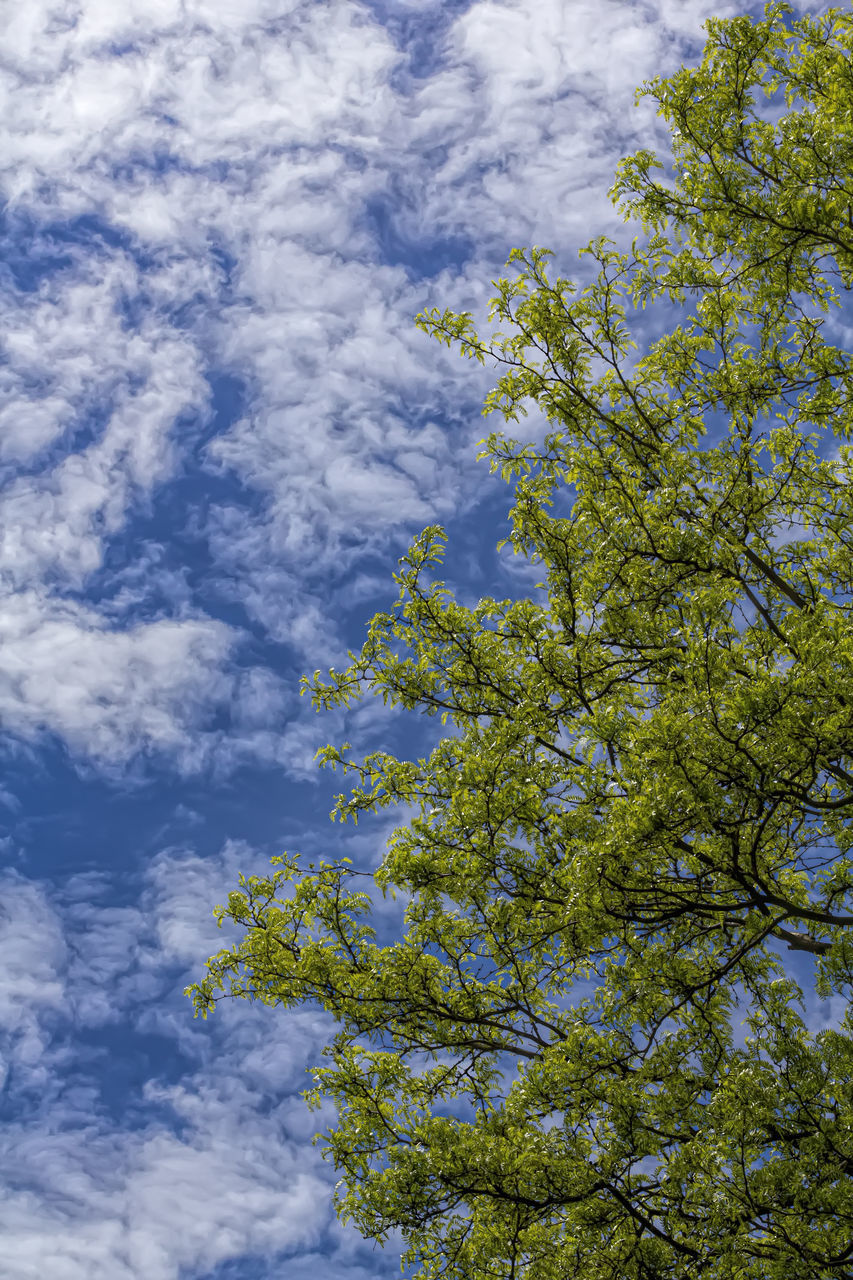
[(34, 951), (70, 352), (301, 131), (218, 1165), (106, 1205), (208, 83), (266, 130), (108, 397), (533, 108), (108, 693), (517, 135)]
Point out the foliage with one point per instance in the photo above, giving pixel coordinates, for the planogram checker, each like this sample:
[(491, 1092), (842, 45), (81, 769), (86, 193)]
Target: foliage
[(641, 811)]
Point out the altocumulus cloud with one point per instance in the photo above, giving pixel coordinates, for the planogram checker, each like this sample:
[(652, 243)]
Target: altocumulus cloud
[(211, 1173), (218, 427)]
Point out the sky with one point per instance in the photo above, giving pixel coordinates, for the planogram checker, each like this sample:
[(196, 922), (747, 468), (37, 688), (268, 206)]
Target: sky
[(219, 429)]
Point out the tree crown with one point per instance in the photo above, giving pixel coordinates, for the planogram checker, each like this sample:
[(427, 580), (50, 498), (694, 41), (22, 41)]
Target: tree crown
[(642, 809)]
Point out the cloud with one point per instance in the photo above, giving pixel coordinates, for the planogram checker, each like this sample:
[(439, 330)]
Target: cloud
[(107, 693), (105, 1204), (218, 1164), (174, 689), (107, 395), (201, 83), (358, 430), (529, 112), (31, 991), (289, 186)]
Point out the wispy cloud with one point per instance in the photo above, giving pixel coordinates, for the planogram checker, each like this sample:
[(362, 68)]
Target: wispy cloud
[(216, 1164), (312, 167)]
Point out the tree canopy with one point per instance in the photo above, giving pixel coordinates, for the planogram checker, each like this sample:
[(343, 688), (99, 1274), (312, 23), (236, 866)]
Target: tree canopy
[(587, 1052)]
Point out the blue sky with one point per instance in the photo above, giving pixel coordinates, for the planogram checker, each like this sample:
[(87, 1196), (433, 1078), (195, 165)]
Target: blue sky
[(219, 429)]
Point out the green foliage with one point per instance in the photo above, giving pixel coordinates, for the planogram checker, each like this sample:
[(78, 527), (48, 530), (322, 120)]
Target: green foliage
[(643, 806)]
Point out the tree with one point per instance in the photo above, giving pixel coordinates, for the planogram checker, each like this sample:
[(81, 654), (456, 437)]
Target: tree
[(642, 811)]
